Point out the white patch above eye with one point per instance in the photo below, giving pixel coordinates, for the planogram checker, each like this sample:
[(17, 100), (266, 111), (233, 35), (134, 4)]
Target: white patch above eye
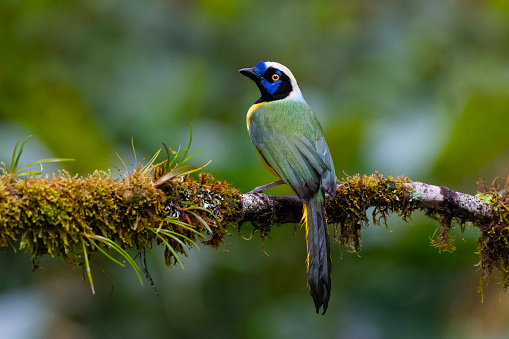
[(296, 93), (282, 68)]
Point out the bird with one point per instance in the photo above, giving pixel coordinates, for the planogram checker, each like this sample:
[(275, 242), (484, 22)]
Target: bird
[(290, 142)]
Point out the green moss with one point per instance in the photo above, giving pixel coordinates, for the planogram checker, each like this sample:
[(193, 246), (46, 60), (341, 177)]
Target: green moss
[(58, 216), (494, 241), (358, 193)]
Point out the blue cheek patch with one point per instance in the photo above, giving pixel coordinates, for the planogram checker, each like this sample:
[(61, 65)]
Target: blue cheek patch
[(271, 87)]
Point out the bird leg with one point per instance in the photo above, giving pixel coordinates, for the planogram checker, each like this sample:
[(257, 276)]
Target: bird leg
[(260, 189)]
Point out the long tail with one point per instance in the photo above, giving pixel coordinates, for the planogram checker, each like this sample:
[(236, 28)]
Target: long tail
[(319, 259)]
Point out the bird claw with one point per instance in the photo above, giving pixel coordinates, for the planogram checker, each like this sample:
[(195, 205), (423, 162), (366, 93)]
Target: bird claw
[(260, 189), (257, 190)]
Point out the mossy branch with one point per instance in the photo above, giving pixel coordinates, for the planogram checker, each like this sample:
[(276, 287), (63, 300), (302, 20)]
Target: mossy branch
[(63, 216)]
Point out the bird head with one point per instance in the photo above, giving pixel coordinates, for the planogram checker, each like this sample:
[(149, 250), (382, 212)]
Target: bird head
[(274, 80)]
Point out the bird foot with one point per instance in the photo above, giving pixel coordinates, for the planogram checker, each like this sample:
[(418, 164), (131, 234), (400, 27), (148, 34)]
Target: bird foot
[(260, 189)]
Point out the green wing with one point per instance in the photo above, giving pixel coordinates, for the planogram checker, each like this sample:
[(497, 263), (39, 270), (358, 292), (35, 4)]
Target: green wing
[(328, 175), (290, 139)]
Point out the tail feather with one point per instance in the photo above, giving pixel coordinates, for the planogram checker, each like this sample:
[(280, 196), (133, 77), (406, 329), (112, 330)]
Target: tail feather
[(318, 244)]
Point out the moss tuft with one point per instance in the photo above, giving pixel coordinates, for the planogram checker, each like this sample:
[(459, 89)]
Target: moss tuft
[(494, 241), (358, 193)]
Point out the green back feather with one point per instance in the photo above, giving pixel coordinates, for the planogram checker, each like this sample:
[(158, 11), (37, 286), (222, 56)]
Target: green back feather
[(290, 139)]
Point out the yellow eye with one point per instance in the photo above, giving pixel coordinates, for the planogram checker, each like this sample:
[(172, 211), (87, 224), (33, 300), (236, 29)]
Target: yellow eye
[(275, 77)]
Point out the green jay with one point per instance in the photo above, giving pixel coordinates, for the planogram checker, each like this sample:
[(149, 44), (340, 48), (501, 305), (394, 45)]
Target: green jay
[(290, 142)]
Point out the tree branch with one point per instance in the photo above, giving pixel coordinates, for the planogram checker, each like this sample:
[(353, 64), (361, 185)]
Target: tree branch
[(67, 216), (259, 207)]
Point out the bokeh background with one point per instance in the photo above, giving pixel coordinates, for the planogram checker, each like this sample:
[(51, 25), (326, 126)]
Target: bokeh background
[(415, 88)]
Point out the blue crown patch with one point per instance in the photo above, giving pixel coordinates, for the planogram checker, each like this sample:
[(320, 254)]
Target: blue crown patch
[(260, 68)]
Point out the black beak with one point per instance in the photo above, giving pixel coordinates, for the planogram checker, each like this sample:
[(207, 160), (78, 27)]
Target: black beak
[(250, 73)]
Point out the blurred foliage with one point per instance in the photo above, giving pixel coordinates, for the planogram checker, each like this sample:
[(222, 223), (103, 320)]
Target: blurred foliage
[(471, 145), (415, 88)]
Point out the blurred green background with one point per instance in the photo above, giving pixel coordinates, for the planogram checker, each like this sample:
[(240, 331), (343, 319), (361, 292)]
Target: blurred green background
[(415, 88)]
